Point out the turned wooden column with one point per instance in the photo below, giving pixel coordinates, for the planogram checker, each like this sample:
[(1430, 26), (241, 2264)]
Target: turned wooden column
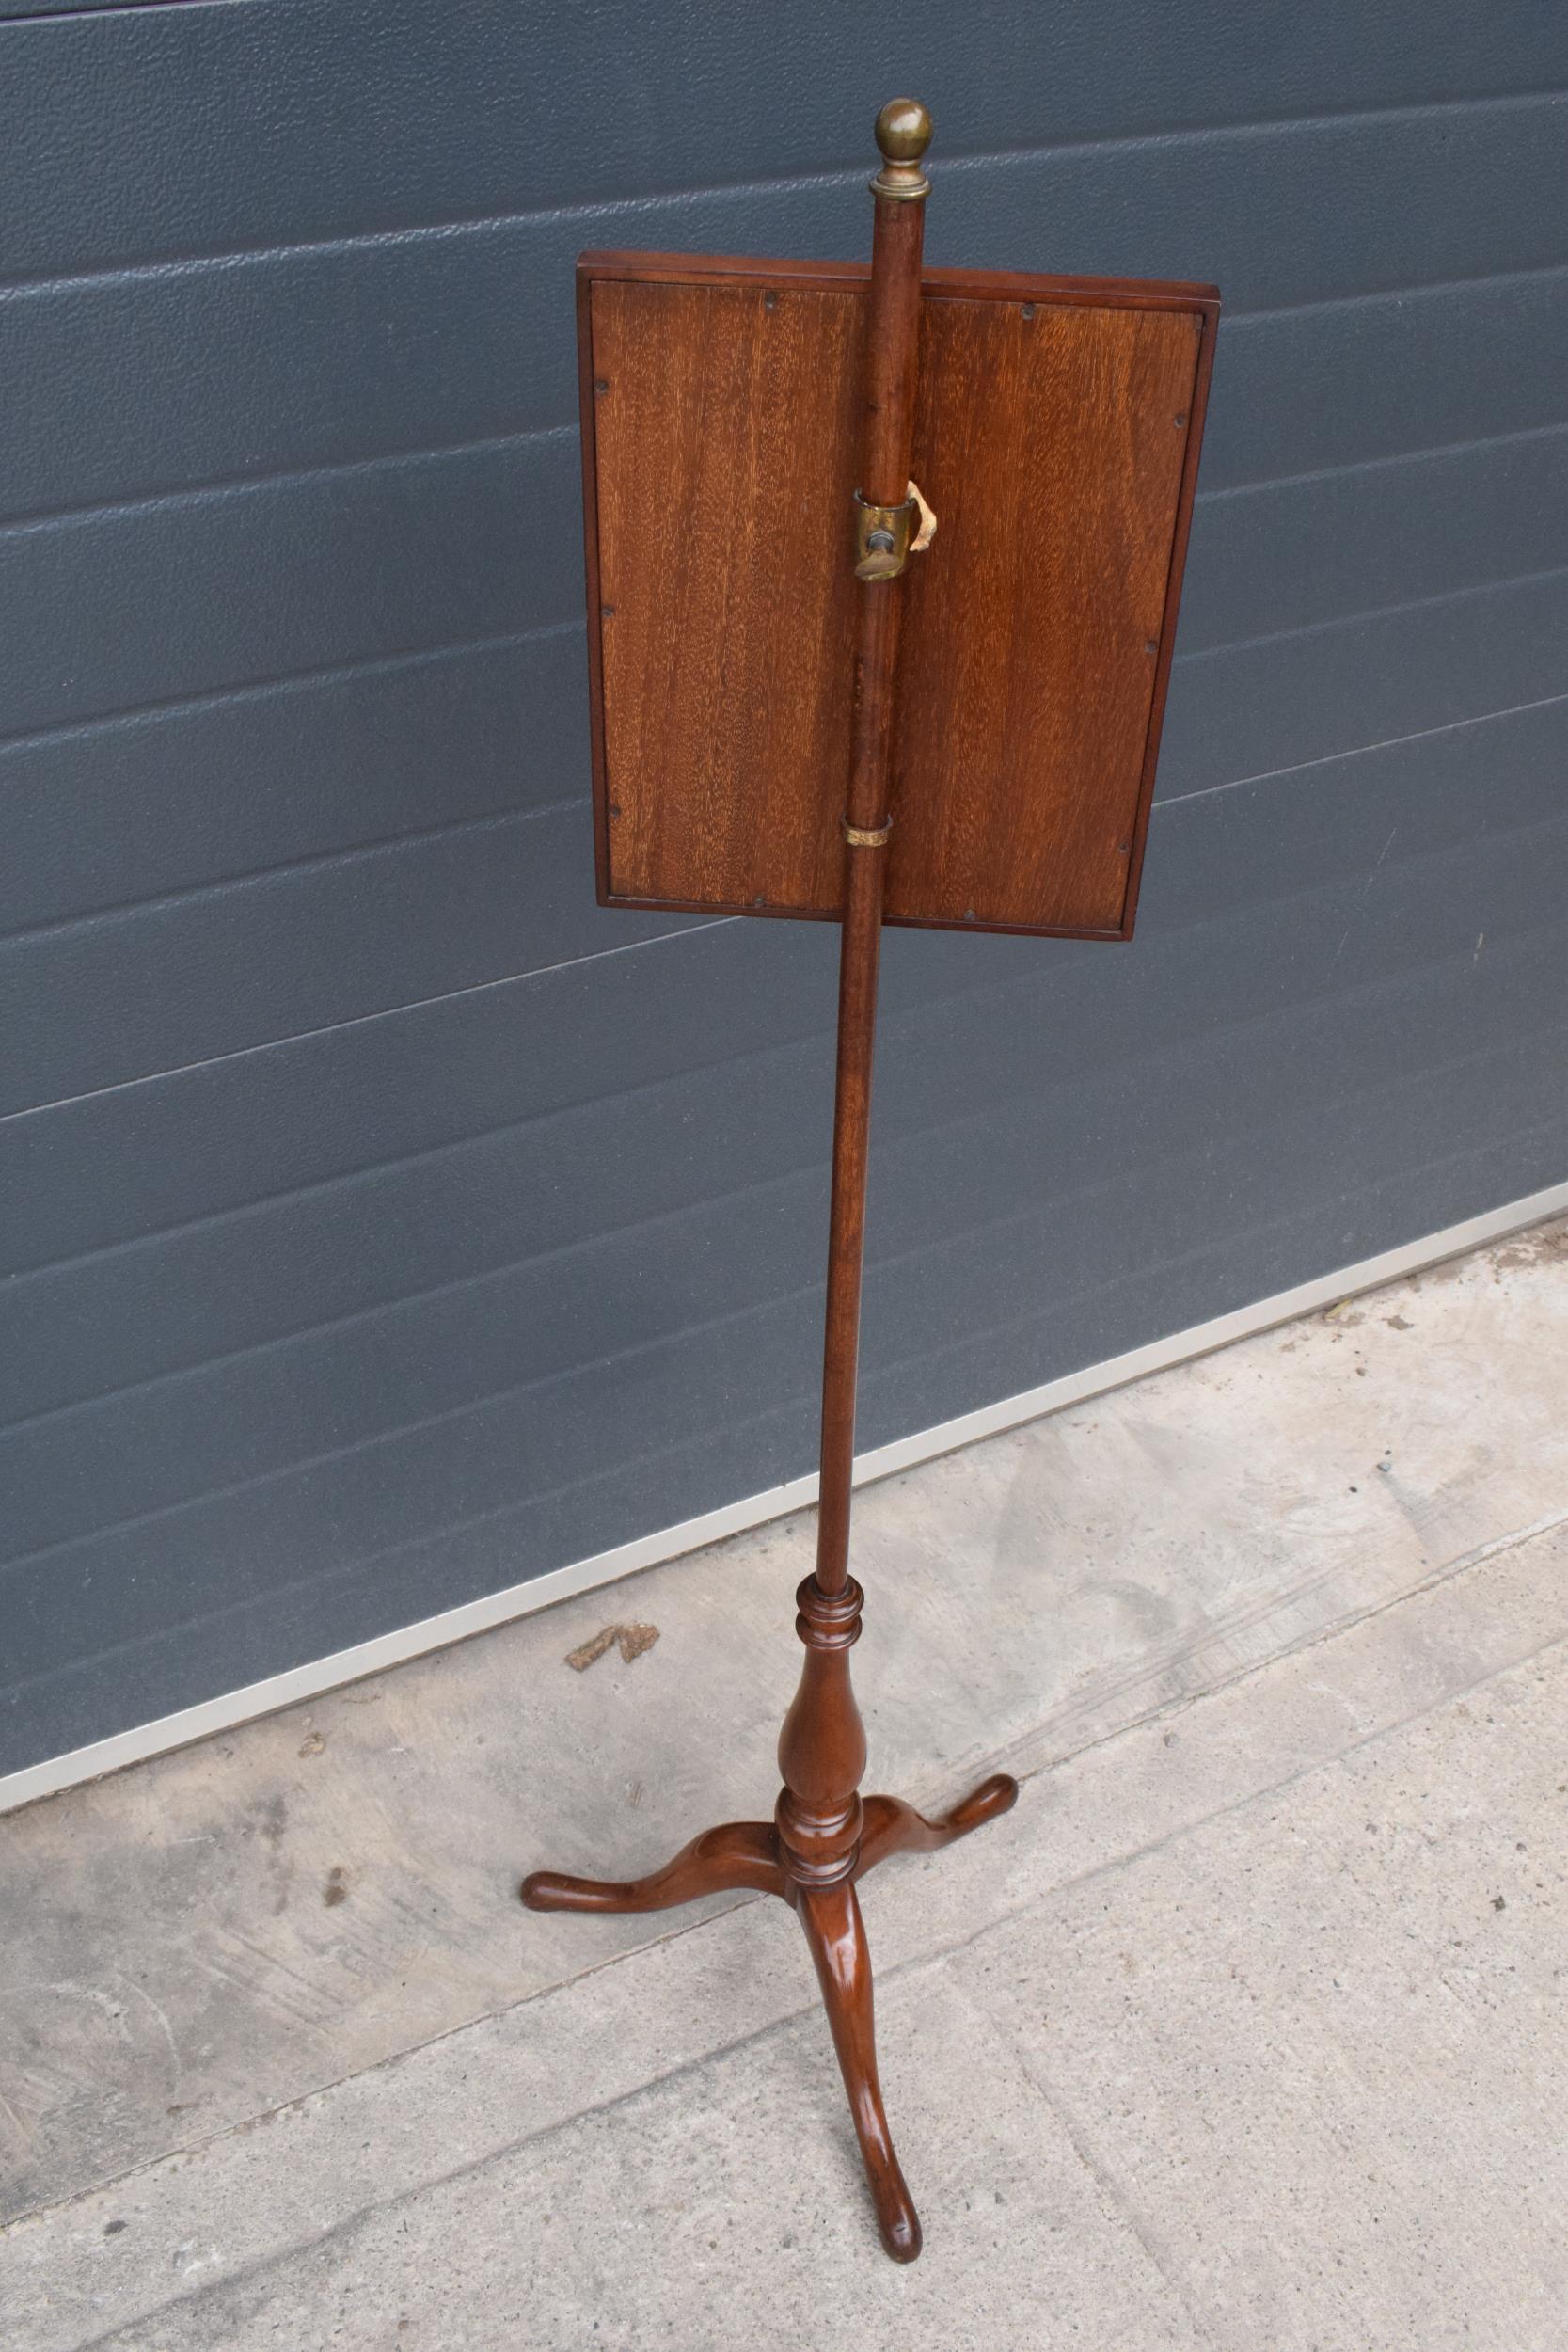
[(822, 1746)]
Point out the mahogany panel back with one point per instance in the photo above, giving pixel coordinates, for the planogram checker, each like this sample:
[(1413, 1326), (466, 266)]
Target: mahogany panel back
[(1056, 437)]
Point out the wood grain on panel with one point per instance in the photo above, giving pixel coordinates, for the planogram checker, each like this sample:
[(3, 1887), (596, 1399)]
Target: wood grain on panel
[(1056, 437), (1050, 441), (726, 446)]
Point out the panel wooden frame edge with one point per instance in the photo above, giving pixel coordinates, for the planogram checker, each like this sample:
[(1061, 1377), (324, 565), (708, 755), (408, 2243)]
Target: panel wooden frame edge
[(1186, 495), (964, 284), (588, 428), (975, 285)]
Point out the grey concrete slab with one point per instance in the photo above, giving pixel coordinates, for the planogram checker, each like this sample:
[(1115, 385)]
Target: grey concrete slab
[(639, 2225), (1322, 2045), (634, 2147), (196, 1943)]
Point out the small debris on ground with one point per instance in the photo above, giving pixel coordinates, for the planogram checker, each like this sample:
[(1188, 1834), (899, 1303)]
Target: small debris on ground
[(313, 1744), (632, 1640)]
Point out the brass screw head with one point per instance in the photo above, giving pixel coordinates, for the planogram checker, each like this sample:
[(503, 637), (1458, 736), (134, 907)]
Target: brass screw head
[(903, 133)]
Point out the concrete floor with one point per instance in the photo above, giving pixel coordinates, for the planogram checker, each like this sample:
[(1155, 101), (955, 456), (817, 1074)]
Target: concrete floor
[(1245, 2030)]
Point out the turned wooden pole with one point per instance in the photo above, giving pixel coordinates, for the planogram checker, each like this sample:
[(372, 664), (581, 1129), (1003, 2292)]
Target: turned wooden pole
[(892, 360), (822, 1747)]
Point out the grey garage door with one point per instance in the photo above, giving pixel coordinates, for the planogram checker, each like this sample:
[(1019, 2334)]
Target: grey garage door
[(385, 1224)]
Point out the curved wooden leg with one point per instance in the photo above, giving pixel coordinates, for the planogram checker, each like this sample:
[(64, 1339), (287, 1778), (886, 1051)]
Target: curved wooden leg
[(737, 1853), (837, 1933), (890, 1826)]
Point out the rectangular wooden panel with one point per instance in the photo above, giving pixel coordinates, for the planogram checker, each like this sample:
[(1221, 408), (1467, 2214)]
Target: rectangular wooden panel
[(725, 421), (1056, 439)]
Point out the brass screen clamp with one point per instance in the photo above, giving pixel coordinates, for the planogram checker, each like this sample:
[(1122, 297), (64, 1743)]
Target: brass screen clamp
[(886, 536), (866, 836)]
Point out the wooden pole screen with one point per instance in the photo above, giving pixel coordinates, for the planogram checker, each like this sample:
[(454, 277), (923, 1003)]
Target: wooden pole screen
[(882, 576)]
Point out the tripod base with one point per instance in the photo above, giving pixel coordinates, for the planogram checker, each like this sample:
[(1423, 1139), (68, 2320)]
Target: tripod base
[(750, 1855)]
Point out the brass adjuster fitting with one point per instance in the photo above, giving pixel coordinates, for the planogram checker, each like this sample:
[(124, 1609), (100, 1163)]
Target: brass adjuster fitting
[(865, 836), (886, 536)]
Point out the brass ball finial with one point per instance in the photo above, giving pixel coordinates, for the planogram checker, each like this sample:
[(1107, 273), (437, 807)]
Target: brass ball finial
[(903, 133)]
